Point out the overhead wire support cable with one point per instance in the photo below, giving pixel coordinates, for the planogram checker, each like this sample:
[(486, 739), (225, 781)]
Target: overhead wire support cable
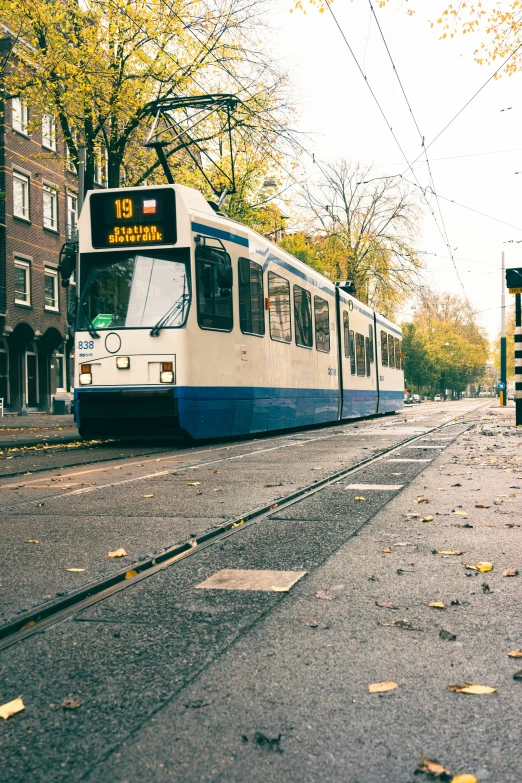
[(424, 150)]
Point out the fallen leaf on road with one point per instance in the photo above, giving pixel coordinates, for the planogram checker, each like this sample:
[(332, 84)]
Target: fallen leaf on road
[(464, 779), (193, 483), (386, 549), (39, 505), (515, 654), (401, 623), (32, 541), (480, 566), (481, 505), (447, 635), (421, 500), (131, 573), (216, 472), (217, 489), (325, 595), (11, 708), (359, 497), (386, 604), (268, 484), (488, 524), (70, 703), (427, 519), (149, 496), (382, 687), (309, 621), (518, 675), (76, 570), (118, 553), (432, 768), (449, 552), (469, 687), (460, 512), (510, 572), (437, 604)]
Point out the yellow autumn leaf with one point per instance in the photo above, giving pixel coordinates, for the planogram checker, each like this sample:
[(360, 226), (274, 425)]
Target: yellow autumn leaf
[(76, 570), (193, 483), (149, 496), (131, 573), (11, 708), (32, 541), (427, 519), (464, 779), (460, 512), (382, 687), (449, 552), (118, 553), (515, 654), (483, 567), (432, 768), (437, 604), (475, 690), (386, 550)]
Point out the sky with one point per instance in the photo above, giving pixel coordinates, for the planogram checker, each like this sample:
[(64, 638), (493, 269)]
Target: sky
[(474, 162)]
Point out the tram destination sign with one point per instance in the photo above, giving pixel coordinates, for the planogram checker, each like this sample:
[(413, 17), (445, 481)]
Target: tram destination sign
[(133, 217), (514, 280)]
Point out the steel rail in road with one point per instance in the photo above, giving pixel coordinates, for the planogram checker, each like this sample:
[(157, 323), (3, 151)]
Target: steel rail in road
[(37, 620)]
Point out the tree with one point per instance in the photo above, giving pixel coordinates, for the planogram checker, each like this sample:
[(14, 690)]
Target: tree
[(365, 228), (97, 65)]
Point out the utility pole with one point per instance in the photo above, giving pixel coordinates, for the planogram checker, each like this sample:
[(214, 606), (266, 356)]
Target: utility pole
[(503, 373)]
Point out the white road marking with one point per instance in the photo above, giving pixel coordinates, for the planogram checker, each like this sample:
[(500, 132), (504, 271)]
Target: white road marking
[(403, 459), (239, 579), (425, 447), (384, 487)]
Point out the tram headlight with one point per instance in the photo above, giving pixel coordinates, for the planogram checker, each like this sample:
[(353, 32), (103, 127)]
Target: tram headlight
[(167, 372), (123, 362), (85, 375)]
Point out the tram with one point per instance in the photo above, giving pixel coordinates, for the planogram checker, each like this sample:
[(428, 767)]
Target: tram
[(191, 323)]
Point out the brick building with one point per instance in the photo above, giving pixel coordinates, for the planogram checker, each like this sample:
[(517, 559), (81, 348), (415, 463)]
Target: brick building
[(38, 212)]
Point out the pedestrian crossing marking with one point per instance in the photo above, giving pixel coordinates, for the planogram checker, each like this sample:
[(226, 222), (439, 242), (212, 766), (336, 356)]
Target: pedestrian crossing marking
[(240, 579)]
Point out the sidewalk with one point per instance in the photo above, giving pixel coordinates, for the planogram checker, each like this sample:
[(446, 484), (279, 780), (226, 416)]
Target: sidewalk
[(46, 421), (289, 700)]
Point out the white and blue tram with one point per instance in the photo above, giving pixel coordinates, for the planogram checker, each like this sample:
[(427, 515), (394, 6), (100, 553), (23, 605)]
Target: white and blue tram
[(189, 322)]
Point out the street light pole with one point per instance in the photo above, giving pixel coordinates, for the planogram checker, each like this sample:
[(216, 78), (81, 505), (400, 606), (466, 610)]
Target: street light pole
[(503, 373)]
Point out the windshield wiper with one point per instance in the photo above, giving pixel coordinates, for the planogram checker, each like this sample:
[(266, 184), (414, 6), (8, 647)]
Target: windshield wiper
[(90, 326), (177, 308)]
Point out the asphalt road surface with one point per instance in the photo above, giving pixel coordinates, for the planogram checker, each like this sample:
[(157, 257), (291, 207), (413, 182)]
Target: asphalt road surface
[(168, 681)]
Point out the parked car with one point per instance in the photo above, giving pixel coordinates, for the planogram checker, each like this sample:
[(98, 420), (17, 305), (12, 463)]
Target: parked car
[(416, 398), (408, 399), (437, 398)]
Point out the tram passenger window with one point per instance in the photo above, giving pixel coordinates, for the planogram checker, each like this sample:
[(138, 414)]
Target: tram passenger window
[(352, 352), (400, 350), (251, 297), (368, 357), (214, 288), (322, 324), (397, 353), (391, 351), (346, 330), (280, 318), (360, 354), (384, 349), (370, 338), (303, 317)]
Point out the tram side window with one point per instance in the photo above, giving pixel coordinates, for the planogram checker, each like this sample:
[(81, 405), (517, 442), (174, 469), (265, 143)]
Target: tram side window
[(360, 353), (303, 317), (346, 335), (384, 349), (397, 353), (214, 288), (352, 352), (368, 357), (391, 351), (251, 297), (322, 324), (370, 338), (280, 318)]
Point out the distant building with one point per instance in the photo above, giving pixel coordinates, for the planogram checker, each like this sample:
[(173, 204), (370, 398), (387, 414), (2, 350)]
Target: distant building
[(38, 212)]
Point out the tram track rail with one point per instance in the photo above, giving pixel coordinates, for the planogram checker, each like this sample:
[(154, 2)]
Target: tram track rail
[(37, 620)]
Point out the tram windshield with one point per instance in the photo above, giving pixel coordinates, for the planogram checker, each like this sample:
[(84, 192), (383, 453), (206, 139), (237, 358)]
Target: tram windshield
[(135, 291)]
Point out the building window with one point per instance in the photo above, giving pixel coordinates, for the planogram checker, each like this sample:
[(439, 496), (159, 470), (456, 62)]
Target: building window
[(303, 317), (360, 352), (322, 324), (384, 348), (58, 363), (214, 288), (72, 217), (19, 115), (51, 289), (397, 353), (50, 208), (280, 317), (48, 132), (20, 195), (100, 166), (22, 282), (251, 297)]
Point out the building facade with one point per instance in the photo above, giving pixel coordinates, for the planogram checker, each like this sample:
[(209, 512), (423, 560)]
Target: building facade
[(38, 213)]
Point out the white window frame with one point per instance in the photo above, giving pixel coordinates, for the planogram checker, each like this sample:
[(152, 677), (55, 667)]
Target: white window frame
[(25, 182), (19, 116), (20, 263), (53, 273), (51, 191), (74, 224), (48, 132)]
